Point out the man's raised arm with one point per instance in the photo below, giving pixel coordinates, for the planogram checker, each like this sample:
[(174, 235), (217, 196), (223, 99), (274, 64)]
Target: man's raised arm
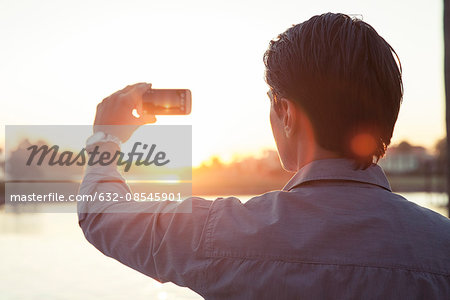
[(158, 238)]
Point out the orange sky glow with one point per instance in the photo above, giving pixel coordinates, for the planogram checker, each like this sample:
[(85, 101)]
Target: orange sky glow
[(60, 58)]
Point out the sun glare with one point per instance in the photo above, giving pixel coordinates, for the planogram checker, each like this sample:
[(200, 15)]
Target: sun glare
[(363, 144)]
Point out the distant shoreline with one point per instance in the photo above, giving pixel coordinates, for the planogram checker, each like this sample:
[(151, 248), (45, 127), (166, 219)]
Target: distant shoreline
[(256, 185), (259, 185)]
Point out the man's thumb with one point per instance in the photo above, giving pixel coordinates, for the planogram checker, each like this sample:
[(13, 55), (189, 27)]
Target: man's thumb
[(147, 119)]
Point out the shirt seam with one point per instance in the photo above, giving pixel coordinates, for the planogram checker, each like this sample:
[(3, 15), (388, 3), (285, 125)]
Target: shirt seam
[(364, 185), (347, 178), (335, 264), (208, 248)]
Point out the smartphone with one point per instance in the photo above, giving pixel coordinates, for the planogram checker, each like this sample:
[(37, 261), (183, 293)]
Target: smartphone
[(167, 102)]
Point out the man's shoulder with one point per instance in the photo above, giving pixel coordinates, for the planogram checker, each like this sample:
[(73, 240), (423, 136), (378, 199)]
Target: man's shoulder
[(366, 227)]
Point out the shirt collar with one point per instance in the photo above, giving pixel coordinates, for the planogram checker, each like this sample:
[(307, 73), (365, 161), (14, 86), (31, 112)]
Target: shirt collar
[(338, 169)]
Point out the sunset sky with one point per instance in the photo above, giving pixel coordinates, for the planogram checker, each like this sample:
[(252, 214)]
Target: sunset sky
[(58, 59)]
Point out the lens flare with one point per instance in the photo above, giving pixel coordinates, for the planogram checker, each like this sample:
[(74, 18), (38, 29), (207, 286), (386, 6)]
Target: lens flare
[(363, 144)]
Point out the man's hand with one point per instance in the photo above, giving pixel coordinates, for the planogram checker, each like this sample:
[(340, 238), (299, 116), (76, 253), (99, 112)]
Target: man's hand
[(117, 109)]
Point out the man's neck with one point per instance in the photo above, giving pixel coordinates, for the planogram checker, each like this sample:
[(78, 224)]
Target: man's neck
[(312, 154)]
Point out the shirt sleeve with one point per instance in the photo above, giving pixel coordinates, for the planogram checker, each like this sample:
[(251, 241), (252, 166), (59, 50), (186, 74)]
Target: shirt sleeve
[(163, 240)]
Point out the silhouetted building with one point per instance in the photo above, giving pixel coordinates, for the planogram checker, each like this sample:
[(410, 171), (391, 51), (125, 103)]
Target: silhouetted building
[(405, 158)]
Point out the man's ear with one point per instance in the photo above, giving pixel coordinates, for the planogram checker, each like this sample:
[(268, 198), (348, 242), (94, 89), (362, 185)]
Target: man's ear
[(289, 115)]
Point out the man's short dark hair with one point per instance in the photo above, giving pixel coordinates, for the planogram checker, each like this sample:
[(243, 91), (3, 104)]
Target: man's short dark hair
[(345, 76)]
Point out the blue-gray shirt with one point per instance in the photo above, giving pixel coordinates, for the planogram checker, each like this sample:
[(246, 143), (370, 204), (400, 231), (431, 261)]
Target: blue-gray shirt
[(333, 232)]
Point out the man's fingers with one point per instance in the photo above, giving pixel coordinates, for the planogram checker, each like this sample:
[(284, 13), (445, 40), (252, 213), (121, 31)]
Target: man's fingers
[(139, 92), (118, 108), (133, 97), (130, 87), (122, 91), (147, 119), (143, 119)]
